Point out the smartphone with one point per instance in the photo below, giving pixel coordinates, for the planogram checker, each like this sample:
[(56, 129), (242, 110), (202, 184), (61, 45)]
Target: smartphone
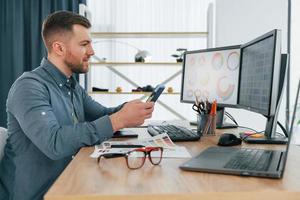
[(156, 93), (125, 134)]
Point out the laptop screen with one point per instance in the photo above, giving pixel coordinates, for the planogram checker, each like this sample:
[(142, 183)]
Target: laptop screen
[(295, 124)]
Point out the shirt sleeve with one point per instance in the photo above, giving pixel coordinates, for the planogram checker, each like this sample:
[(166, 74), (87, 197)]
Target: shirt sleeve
[(29, 102), (94, 110)]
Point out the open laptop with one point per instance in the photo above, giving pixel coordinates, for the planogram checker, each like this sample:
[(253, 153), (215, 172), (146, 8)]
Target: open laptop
[(226, 160)]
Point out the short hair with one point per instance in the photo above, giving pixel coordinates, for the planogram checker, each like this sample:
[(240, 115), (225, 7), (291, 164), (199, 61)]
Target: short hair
[(61, 22)]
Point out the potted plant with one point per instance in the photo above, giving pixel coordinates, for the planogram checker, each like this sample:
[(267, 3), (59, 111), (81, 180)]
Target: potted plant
[(179, 54)]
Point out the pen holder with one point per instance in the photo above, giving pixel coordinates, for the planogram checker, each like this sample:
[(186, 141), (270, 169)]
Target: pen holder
[(201, 121), (206, 124)]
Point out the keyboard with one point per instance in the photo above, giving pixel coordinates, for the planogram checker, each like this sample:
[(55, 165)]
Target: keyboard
[(250, 159), (176, 133)]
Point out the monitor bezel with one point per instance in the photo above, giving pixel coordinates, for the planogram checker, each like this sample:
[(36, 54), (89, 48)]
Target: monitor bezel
[(220, 105), (275, 72)]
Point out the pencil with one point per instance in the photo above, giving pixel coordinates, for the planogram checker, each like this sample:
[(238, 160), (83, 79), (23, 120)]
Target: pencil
[(207, 125), (213, 114)]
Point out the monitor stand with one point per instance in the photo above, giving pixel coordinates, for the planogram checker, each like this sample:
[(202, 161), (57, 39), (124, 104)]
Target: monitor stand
[(269, 135), (270, 131), (220, 120), (266, 140)]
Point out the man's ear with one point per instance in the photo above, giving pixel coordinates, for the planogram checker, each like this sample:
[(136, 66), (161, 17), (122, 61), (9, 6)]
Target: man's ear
[(59, 48)]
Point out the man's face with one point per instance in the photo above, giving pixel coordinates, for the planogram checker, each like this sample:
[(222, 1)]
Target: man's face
[(78, 50)]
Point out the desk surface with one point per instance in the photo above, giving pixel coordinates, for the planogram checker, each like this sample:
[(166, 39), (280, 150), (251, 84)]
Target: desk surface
[(84, 179)]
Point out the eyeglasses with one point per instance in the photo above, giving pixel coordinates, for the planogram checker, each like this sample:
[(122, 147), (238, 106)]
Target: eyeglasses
[(135, 159)]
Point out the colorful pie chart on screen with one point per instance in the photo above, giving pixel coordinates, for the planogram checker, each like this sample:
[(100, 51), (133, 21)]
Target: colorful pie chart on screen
[(233, 61), (224, 88), (217, 61)]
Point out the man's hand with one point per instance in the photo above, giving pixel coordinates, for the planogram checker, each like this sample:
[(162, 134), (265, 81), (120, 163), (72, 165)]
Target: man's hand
[(132, 114)]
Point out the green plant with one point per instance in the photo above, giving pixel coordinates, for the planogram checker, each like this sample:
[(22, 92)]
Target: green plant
[(179, 55)]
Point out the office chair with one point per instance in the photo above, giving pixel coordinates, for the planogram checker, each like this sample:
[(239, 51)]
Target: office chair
[(3, 138)]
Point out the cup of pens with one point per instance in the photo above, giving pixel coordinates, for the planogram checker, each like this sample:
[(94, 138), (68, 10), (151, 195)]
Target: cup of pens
[(206, 116)]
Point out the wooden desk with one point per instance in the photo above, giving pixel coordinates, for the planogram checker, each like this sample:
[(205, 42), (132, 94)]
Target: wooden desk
[(84, 179)]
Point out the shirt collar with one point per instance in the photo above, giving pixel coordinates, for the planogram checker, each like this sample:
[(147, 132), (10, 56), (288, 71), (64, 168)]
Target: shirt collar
[(56, 74)]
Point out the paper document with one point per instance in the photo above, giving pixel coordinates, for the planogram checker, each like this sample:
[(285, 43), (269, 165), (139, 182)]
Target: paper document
[(162, 140)]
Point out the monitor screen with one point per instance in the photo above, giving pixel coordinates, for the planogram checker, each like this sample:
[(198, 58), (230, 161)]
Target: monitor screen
[(212, 74), (259, 74)]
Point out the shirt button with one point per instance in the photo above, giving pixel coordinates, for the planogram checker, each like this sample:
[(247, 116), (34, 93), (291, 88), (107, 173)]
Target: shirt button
[(60, 85), (69, 93), (68, 80), (72, 114)]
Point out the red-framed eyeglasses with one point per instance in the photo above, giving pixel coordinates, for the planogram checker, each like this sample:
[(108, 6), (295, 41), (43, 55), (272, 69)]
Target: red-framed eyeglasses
[(135, 158)]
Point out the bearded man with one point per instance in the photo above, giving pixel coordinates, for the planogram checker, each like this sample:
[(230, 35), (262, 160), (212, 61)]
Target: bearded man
[(50, 116)]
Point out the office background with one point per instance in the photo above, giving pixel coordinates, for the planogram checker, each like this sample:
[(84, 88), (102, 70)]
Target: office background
[(227, 22), (21, 46)]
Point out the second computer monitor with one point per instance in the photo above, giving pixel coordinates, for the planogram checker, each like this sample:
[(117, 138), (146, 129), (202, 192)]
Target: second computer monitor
[(260, 73), (212, 74)]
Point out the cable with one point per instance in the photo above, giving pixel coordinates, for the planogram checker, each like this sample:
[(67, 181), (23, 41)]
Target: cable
[(244, 136), (283, 129), (281, 134), (279, 124), (250, 129), (231, 118)]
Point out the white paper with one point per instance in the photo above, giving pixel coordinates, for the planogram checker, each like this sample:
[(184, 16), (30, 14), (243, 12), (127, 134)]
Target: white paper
[(177, 152), (170, 150), (102, 151)]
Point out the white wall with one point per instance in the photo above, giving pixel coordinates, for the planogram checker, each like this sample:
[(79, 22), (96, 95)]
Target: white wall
[(146, 16), (295, 58), (239, 21), (295, 48)]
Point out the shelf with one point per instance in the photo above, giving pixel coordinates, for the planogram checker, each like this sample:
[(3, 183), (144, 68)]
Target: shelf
[(143, 93), (135, 63), (148, 34)]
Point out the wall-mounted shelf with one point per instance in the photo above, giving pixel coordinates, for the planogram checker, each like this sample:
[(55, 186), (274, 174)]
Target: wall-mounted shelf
[(149, 34), (142, 93), (134, 63), (113, 65)]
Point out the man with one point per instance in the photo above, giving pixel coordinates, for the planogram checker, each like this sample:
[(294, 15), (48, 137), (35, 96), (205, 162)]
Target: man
[(50, 117)]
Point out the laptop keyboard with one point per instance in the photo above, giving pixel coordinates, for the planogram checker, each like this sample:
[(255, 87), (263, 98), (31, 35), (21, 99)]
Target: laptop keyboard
[(250, 159), (176, 133)]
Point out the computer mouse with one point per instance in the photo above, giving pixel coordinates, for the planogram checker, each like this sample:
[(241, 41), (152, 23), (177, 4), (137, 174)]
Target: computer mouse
[(229, 139)]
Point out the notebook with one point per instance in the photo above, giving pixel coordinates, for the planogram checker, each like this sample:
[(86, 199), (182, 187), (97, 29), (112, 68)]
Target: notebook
[(269, 163)]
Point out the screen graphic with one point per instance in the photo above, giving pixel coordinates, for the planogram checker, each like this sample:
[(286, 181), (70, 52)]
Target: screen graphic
[(213, 75)]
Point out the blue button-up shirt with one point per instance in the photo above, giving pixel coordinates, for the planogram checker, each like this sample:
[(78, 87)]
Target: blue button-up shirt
[(43, 134)]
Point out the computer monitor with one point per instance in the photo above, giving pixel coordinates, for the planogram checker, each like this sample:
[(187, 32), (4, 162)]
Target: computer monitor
[(262, 73), (214, 74)]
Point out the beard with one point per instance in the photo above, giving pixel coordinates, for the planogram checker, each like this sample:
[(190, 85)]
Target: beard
[(75, 64)]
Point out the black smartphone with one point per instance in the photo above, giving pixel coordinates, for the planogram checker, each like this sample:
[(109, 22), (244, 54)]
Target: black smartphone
[(125, 134), (156, 93)]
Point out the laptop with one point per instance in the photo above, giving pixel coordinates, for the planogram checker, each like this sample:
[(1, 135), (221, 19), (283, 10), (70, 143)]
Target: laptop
[(268, 163)]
